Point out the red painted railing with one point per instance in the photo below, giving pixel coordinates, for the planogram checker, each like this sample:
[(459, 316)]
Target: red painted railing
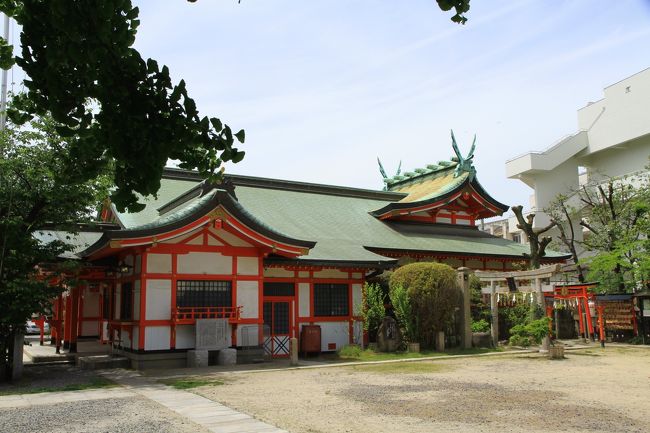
[(188, 315)]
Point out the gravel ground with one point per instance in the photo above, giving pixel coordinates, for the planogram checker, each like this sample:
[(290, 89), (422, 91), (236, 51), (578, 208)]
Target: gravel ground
[(124, 415), (50, 376), (591, 391)]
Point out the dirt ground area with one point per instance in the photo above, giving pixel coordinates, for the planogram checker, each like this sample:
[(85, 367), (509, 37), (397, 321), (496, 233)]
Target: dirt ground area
[(596, 390)]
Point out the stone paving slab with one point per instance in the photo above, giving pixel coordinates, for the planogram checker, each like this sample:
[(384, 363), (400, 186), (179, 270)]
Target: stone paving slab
[(200, 410)]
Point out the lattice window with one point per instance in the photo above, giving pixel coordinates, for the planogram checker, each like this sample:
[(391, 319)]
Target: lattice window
[(331, 300), (126, 301), (203, 293), (279, 289)]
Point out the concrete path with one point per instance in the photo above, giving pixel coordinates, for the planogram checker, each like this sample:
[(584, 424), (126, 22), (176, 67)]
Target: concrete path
[(28, 400), (205, 412)]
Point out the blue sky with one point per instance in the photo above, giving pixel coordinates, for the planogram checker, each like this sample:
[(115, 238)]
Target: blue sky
[(324, 87)]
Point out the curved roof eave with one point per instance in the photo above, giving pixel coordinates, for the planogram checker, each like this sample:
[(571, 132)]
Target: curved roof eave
[(190, 214), (474, 183)]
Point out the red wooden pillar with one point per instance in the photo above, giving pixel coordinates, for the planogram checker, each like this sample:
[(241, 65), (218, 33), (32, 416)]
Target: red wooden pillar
[(581, 320), (590, 326), (74, 318), (59, 323), (601, 324)]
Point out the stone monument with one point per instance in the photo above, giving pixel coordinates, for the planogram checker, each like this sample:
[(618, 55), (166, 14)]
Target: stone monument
[(388, 335), (210, 334)]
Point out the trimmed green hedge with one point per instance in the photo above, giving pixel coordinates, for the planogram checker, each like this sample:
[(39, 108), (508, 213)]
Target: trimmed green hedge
[(433, 294)]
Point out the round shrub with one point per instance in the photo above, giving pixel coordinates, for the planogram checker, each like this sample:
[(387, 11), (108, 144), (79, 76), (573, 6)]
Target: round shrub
[(433, 294)]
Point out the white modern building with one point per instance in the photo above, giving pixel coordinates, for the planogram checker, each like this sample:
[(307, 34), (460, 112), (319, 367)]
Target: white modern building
[(612, 140)]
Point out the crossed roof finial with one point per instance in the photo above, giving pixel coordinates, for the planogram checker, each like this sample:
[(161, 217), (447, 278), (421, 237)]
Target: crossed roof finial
[(464, 163)]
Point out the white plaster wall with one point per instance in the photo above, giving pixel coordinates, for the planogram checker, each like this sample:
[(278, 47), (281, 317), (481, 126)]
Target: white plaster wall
[(196, 241), (159, 294), (185, 337), (156, 338), (334, 332), (303, 299), (230, 238), (214, 242), (89, 328), (357, 299), (278, 272), (248, 293), (204, 263), (330, 273), (90, 304), (443, 220), (159, 263), (136, 337), (247, 266), (248, 335)]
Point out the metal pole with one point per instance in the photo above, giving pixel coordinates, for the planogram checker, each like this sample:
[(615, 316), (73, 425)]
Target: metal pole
[(3, 91)]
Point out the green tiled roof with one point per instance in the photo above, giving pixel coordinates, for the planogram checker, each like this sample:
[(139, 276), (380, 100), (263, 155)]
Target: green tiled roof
[(343, 227), (169, 189), (338, 220)]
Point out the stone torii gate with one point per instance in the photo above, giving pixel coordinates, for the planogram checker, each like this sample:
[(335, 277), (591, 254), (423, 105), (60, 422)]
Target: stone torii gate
[(534, 275)]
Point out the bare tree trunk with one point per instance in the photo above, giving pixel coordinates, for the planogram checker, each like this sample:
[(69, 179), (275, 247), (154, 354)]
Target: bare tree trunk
[(537, 245)]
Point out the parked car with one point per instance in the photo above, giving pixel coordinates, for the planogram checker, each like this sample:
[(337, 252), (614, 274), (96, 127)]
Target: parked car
[(32, 328)]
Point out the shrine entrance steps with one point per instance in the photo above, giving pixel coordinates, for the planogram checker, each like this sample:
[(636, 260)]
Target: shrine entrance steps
[(102, 362)]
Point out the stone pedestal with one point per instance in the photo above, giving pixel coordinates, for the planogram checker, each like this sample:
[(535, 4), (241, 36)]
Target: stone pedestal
[(293, 352), (227, 357), (197, 358)]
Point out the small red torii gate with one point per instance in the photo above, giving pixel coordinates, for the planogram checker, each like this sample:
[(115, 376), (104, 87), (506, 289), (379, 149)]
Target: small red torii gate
[(580, 293)]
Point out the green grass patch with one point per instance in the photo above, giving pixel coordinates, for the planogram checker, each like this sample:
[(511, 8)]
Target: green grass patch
[(98, 382), (404, 368), (354, 353), (190, 382)]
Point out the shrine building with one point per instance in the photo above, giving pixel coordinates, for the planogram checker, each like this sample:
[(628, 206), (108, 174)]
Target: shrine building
[(270, 256)]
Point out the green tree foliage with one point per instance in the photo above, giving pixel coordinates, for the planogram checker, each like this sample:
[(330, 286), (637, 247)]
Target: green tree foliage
[(406, 320), (617, 215), (373, 310), (35, 193), (532, 332), (433, 294), (479, 309), (79, 53), (460, 6)]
